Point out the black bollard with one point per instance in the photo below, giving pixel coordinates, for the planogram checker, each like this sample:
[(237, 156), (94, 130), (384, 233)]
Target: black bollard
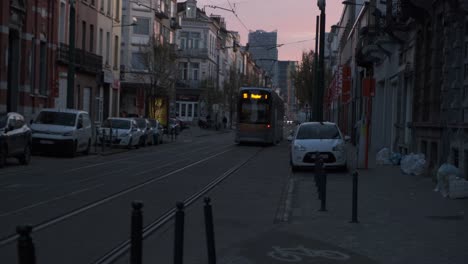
[(323, 187), (103, 139), (179, 234), (26, 252), (136, 238), (355, 196), (318, 174), (209, 228)]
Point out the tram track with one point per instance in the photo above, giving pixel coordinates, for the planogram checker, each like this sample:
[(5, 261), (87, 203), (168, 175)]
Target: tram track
[(61, 218), (118, 251)]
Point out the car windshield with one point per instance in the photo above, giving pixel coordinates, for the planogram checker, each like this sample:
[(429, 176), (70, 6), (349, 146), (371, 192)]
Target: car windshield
[(56, 118), (116, 123), (318, 131), (3, 121)]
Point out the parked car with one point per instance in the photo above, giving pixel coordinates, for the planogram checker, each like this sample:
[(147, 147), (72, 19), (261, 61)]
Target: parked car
[(125, 132), (15, 138), (62, 130), (144, 126), (322, 137), (158, 131)]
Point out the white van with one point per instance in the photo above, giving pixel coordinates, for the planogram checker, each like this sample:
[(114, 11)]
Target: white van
[(63, 130)]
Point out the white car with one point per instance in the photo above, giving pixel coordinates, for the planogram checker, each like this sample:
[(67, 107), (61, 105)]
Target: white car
[(312, 137), (125, 132), (62, 130)]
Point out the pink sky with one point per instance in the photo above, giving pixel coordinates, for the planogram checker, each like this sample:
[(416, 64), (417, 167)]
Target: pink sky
[(293, 19)]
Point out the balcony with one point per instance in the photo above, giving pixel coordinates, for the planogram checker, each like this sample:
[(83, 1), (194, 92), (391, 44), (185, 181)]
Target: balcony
[(194, 53), (366, 49), (174, 24), (84, 61), (188, 84)]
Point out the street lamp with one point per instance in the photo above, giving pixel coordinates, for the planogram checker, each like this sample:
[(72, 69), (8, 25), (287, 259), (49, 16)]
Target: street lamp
[(321, 67)]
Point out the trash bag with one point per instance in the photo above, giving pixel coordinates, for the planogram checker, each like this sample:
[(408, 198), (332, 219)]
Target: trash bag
[(446, 174), (383, 157), (395, 158), (414, 164)]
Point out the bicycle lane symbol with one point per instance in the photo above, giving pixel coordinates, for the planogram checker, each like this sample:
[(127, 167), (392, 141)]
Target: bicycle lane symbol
[(296, 254)]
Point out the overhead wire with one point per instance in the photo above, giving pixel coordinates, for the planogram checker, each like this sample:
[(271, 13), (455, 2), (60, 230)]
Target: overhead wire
[(238, 18)]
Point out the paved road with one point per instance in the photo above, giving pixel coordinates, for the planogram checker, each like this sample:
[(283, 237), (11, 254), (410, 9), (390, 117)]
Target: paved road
[(263, 213)]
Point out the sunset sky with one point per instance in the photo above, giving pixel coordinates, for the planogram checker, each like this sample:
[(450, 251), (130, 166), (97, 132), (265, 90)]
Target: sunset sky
[(293, 19)]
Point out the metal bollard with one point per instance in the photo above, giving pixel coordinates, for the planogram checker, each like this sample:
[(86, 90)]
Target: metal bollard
[(103, 140), (318, 168), (209, 228), (355, 196), (136, 238), (26, 252), (179, 234), (323, 187)]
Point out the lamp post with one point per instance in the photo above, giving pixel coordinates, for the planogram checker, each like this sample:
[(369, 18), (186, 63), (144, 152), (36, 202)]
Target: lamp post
[(316, 76), (321, 68), (71, 59)]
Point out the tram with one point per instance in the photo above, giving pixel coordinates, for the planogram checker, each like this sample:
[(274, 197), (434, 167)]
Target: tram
[(260, 115)]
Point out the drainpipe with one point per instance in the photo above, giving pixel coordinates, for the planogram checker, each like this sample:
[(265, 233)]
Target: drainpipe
[(71, 55)]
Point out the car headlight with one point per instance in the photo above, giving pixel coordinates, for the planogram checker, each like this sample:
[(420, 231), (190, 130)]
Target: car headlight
[(67, 134), (339, 147), (299, 147)]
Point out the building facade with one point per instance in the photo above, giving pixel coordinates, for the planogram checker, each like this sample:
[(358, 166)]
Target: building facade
[(28, 51), (147, 25)]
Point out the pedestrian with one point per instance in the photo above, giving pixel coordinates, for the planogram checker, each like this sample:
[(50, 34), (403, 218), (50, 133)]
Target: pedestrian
[(224, 121)]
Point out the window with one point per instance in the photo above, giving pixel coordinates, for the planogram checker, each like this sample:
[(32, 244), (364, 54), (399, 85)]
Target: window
[(116, 52), (195, 71), (101, 37), (195, 110), (62, 22), (183, 66), (142, 26), (83, 35), (43, 68), (107, 47), (93, 2), (183, 40), (117, 10), (109, 7), (138, 61), (91, 38)]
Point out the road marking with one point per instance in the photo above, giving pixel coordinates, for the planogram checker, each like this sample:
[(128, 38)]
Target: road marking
[(296, 254)]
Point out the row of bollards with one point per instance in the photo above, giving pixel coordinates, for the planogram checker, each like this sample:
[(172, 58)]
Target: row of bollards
[(320, 177), (26, 251)]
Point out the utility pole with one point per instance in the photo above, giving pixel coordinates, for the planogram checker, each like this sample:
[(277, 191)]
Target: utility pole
[(321, 5), (71, 55), (314, 93)]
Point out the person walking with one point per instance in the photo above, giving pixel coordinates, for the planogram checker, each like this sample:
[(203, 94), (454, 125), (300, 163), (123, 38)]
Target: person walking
[(224, 121)]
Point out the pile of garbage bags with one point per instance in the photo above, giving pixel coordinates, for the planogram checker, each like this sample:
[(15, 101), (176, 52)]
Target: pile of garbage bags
[(385, 157), (414, 164), (450, 182)]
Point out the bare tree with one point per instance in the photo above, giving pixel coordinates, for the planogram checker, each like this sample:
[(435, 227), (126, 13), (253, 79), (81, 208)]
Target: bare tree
[(160, 71)]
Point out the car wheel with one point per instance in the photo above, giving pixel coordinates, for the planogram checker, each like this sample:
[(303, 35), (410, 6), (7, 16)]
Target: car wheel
[(25, 158), (3, 156), (86, 152), (129, 145), (72, 150)]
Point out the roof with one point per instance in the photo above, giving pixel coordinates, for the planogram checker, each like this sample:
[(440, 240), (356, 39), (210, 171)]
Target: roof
[(64, 110)]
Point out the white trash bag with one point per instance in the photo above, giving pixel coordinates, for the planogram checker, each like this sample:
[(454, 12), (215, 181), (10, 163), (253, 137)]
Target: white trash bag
[(414, 164), (383, 157), (445, 174)]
